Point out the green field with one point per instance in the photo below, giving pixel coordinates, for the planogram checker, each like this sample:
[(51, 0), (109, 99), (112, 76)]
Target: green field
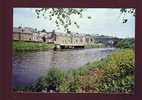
[(97, 45), (19, 46), (113, 74)]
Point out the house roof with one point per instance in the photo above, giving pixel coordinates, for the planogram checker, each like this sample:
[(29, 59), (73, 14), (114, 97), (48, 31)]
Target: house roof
[(103, 36), (71, 34), (16, 29), (27, 30)]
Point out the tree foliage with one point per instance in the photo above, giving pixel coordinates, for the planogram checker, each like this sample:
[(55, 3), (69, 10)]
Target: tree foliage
[(43, 30), (126, 11), (61, 16), (126, 43)]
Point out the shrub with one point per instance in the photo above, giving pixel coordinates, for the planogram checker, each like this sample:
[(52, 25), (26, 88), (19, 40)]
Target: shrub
[(73, 79), (125, 43), (52, 81), (118, 72), (54, 78)]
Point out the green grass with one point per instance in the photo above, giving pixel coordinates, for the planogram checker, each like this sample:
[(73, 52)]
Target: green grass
[(95, 46), (113, 74), (19, 46)]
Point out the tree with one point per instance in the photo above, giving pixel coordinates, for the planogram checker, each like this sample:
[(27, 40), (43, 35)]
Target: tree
[(62, 16), (125, 11), (125, 43), (35, 30), (43, 30)]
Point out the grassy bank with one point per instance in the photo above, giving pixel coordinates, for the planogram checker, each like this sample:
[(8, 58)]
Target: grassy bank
[(99, 45), (22, 46), (30, 46), (114, 74)]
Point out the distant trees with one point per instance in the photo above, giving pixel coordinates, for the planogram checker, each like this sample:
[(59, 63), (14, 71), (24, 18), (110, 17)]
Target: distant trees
[(35, 30), (125, 43), (43, 30)]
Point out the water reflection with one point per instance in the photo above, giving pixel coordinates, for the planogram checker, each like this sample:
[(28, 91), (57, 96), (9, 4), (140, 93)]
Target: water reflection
[(28, 67)]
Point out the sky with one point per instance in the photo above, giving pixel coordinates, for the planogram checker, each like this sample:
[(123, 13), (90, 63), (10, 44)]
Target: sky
[(104, 21)]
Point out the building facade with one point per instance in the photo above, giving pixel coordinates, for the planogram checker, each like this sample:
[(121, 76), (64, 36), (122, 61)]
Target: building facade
[(24, 34), (30, 34)]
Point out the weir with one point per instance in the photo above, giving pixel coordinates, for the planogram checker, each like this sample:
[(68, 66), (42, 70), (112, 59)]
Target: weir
[(68, 46)]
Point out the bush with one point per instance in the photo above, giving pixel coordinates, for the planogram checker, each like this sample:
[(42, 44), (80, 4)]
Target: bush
[(118, 73), (125, 43), (51, 82), (54, 78), (73, 79)]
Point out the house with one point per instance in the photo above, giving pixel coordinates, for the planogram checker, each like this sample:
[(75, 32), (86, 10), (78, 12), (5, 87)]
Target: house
[(89, 39), (62, 38), (25, 34), (70, 38), (66, 38)]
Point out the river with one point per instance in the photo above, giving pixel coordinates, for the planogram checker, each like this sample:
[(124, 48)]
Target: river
[(28, 67)]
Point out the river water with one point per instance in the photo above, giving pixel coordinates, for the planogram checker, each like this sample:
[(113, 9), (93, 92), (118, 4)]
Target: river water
[(28, 67)]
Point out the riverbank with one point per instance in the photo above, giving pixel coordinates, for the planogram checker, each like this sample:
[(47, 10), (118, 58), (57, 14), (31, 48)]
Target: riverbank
[(98, 45), (21, 46), (113, 74)]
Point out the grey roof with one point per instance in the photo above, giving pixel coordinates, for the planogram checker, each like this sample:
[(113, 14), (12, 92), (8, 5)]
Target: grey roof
[(16, 29), (24, 30), (103, 36), (62, 34), (28, 30)]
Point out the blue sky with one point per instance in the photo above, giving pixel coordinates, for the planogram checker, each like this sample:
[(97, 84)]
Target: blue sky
[(103, 21)]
